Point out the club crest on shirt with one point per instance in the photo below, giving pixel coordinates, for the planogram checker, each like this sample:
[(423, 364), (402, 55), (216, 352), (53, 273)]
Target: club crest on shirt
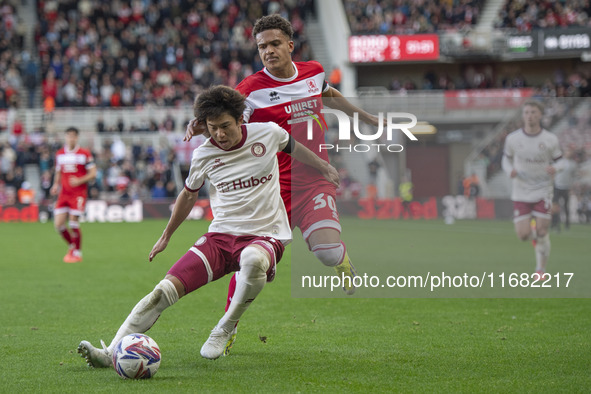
[(312, 88), (542, 146), (258, 149)]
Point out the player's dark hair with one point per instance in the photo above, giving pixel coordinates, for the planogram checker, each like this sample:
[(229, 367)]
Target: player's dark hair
[(73, 129), (534, 103), (217, 101), (271, 22)]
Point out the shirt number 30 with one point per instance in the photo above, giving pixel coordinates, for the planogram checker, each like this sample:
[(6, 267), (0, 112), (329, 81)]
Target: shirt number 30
[(322, 200)]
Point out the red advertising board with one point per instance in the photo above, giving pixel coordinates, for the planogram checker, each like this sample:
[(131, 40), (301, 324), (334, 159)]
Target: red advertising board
[(391, 48), (486, 98), (19, 213)]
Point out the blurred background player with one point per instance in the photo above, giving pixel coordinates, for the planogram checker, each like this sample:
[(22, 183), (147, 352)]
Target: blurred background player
[(74, 168), (405, 192), (250, 225), (563, 181), (529, 156)]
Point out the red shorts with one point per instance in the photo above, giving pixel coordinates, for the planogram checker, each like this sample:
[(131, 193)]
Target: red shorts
[(524, 210), (70, 203), (312, 209), (216, 254)]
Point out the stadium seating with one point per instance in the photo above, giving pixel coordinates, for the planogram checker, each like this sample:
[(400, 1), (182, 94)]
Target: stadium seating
[(410, 17), (11, 56), (525, 16), (131, 53)]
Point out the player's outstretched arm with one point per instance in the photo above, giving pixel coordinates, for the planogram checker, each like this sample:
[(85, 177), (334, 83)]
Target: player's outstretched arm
[(182, 207), (335, 100), (306, 156)]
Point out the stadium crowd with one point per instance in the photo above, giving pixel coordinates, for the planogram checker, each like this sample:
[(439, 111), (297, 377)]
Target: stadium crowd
[(529, 15), (562, 84), (130, 53), (11, 55), (409, 17)]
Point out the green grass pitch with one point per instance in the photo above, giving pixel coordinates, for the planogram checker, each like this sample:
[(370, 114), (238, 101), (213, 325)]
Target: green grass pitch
[(286, 344)]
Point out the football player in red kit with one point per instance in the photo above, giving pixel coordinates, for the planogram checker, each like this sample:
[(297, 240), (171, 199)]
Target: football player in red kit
[(74, 168)]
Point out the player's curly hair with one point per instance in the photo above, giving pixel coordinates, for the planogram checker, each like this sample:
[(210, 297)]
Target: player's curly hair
[(270, 22), (72, 129), (217, 101)]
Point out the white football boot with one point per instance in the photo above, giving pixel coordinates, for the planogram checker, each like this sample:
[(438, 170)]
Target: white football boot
[(216, 344), (96, 358), (231, 340)]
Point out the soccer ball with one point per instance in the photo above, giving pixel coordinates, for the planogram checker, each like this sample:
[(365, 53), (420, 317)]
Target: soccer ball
[(136, 356)]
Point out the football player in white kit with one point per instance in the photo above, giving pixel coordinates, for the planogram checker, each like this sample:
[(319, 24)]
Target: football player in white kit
[(250, 225), (529, 159)]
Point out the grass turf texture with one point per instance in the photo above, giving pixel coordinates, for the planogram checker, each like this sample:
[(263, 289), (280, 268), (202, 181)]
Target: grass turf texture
[(287, 344)]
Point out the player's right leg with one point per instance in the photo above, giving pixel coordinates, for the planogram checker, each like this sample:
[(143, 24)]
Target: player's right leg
[(543, 245), (141, 319), (314, 211), (522, 221), (566, 209), (327, 246), (255, 261), (74, 225), (59, 223), (231, 291)]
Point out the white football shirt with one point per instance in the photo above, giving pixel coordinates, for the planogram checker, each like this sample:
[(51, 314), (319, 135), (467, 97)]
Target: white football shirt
[(244, 182), (530, 156)]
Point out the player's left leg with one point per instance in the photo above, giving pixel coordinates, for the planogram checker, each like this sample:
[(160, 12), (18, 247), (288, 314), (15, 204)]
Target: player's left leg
[(566, 197), (255, 261), (542, 247), (59, 222), (327, 246), (202, 264), (74, 224), (142, 317), (317, 217), (79, 203)]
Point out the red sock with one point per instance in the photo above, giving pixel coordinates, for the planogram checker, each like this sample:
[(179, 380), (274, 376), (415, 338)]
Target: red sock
[(66, 235), (231, 291), (76, 236)]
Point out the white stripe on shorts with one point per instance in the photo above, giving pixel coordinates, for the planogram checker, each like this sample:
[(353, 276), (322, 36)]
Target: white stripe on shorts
[(205, 263)]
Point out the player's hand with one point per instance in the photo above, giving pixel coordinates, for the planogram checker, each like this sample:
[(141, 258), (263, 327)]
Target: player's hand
[(332, 175), (74, 181), (158, 247), (195, 128), (513, 173), (550, 170), (53, 190)]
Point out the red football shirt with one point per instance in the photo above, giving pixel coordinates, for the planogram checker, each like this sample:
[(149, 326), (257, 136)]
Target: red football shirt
[(75, 162), (291, 103)]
